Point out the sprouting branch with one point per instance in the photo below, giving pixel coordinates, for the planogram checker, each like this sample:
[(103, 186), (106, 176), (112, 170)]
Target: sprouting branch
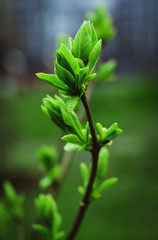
[(95, 152)]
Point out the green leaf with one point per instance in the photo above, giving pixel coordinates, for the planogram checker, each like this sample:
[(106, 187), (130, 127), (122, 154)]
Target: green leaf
[(93, 57), (71, 147), (68, 61), (106, 184), (82, 148), (83, 42), (62, 38), (65, 76), (72, 138), (90, 77), (81, 190), (65, 113), (59, 235), (46, 157), (93, 35), (77, 126), (82, 75), (80, 62), (66, 94), (56, 223), (106, 71), (101, 131), (102, 22), (45, 182), (72, 102), (103, 162), (70, 44), (10, 194), (113, 131), (85, 173), (46, 207), (41, 230), (45, 110), (53, 80)]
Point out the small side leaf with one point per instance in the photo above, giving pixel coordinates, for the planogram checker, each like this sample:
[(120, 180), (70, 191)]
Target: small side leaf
[(41, 230), (84, 173), (72, 138), (71, 147), (106, 184)]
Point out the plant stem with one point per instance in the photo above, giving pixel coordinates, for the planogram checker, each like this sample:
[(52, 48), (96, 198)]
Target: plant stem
[(95, 152), (90, 120)]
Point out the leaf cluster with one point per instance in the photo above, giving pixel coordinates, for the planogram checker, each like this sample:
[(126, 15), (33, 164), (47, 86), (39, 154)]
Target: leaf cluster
[(103, 23), (14, 201), (51, 220), (47, 163), (99, 185), (74, 66)]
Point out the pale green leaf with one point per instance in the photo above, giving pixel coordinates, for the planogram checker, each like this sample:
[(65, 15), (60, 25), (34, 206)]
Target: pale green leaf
[(71, 147), (84, 173), (72, 138)]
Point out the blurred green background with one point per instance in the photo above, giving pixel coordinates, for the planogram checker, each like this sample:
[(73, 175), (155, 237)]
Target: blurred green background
[(129, 209)]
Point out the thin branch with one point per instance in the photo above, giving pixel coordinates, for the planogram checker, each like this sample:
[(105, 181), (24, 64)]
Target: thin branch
[(90, 120), (95, 152)]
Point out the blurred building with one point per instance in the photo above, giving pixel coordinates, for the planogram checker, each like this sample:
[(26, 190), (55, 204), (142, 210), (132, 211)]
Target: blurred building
[(31, 27)]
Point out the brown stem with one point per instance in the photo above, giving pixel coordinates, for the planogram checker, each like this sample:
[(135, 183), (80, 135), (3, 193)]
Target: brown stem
[(90, 120), (95, 152)]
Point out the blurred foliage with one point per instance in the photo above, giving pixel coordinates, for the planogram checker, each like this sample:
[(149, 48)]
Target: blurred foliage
[(47, 163), (102, 21)]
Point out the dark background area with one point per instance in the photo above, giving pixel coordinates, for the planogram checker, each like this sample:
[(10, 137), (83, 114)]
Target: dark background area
[(27, 41)]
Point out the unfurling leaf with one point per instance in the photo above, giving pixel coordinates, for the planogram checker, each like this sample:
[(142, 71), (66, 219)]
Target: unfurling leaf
[(85, 173)]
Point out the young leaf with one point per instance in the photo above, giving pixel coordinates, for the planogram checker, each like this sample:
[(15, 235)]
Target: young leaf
[(72, 138), (69, 62), (10, 193), (82, 75), (77, 126), (113, 131), (59, 235), (82, 44), (82, 148), (53, 80), (71, 147), (44, 231), (56, 223), (90, 77), (93, 57), (103, 162), (106, 184), (72, 102), (93, 35), (65, 113), (65, 76), (80, 62), (45, 182), (85, 173), (81, 190)]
